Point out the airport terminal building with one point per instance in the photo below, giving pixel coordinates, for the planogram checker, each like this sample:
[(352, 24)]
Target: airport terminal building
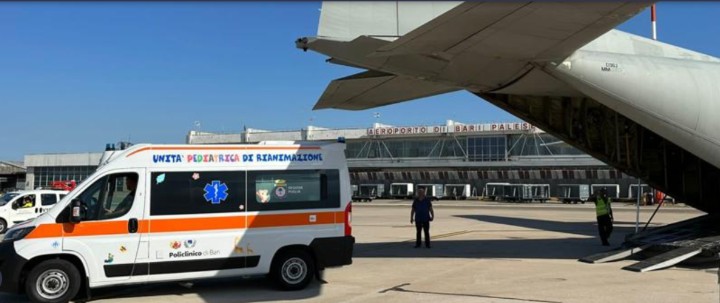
[(477, 156), (454, 153)]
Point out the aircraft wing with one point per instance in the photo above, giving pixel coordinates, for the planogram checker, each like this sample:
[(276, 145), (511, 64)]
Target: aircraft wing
[(526, 31), (372, 89), (482, 47)]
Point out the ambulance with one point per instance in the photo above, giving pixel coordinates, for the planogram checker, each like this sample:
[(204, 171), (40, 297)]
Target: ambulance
[(154, 213)]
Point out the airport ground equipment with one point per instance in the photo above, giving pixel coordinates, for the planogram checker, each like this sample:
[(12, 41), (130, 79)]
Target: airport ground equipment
[(434, 191), (573, 193), (633, 191), (494, 191), (613, 190), (401, 190), (536, 192), (368, 192), (456, 191)]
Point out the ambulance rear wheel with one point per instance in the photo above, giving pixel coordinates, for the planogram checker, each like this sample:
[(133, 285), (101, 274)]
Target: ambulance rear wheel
[(53, 281), (293, 269)]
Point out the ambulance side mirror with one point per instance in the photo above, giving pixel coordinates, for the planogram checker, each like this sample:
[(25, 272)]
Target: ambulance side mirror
[(16, 204), (75, 207)]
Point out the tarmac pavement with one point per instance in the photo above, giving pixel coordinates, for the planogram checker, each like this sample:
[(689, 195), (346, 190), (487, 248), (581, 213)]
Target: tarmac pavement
[(482, 252)]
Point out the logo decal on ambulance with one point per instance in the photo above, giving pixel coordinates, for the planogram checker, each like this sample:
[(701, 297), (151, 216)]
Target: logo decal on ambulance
[(215, 192), (280, 188), (190, 243), (175, 244), (160, 179)]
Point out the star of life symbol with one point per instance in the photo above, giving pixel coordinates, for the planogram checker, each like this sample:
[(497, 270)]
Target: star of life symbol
[(215, 192)]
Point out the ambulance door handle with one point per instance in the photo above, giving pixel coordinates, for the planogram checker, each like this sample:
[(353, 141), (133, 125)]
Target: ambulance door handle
[(133, 226)]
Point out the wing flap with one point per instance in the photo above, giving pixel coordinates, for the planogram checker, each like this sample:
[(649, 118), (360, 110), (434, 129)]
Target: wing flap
[(372, 89)]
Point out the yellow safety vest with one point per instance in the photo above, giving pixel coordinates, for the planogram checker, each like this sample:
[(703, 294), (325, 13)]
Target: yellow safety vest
[(602, 207)]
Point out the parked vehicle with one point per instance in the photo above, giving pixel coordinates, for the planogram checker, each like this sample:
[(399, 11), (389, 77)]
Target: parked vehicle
[(20, 206), (495, 191), (456, 191), (573, 193), (613, 190), (368, 192), (633, 191), (536, 192), (401, 190), (434, 191), (157, 213)]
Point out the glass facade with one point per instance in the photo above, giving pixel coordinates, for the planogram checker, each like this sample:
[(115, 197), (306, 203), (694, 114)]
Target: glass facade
[(473, 148), (44, 176), (539, 145), (407, 148), (487, 148)]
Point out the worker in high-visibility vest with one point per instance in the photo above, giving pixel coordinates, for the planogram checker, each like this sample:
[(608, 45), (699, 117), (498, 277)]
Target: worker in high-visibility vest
[(604, 216)]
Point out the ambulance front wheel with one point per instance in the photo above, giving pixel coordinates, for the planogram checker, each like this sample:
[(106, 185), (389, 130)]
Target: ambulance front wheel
[(3, 226), (293, 269), (53, 281)]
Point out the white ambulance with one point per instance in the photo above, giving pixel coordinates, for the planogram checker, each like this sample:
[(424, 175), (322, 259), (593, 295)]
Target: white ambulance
[(155, 213), (20, 206)]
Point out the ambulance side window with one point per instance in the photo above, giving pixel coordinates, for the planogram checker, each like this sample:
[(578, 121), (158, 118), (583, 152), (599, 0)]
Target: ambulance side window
[(109, 197), (293, 189), (197, 192)]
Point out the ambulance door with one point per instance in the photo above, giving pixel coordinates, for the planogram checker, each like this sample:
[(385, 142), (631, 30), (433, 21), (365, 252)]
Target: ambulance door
[(289, 207), (197, 223), (109, 233)]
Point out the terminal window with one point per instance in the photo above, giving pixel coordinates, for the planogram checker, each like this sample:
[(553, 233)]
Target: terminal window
[(488, 148)]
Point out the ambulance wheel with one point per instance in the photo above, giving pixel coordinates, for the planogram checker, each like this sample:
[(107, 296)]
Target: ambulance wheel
[(53, 281), (3, 226), (293, 269)]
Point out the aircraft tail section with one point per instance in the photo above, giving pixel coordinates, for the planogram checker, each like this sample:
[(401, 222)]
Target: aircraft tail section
[(347, 20)]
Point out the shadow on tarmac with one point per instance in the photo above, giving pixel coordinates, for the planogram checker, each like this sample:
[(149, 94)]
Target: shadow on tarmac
[(514, 247), (228, 290), (588, 228)]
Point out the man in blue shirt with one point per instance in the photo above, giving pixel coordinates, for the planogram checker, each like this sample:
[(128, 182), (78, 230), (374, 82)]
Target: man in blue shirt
[(421, 214)]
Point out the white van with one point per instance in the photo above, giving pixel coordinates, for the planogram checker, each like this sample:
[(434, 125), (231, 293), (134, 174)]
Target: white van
[(19, 206), (155, 213)]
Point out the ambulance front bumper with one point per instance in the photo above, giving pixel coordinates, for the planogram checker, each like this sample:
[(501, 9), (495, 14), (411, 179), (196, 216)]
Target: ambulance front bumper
[(11, 265)]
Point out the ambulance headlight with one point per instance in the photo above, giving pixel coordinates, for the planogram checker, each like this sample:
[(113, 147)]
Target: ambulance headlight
[(15, 234)]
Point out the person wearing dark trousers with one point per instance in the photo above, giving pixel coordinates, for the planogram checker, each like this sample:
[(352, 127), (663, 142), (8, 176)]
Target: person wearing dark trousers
[(421, 214), (604, 216)]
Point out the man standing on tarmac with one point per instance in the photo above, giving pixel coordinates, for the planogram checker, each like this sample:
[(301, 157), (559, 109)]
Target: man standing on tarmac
[(604, 216), (421, 214)]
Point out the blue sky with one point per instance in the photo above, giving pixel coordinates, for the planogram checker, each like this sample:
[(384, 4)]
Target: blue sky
[(74, 76)]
